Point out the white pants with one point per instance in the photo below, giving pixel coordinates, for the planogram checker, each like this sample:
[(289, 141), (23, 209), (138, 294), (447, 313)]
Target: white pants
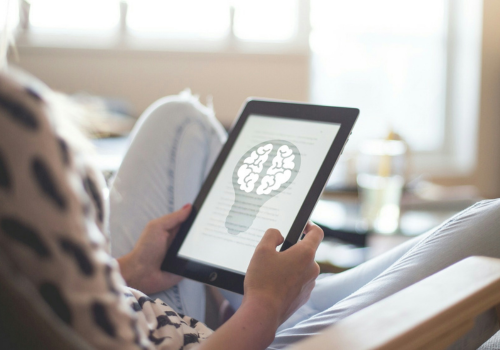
[(173, 147)]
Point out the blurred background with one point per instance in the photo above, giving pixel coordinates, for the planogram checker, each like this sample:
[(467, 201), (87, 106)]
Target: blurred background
[(425, 75)]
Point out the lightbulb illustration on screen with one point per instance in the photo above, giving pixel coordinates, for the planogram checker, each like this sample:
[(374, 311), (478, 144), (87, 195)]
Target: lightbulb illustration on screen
[(263, 172)]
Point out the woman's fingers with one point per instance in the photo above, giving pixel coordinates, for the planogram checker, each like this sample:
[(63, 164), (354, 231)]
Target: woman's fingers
[(313, 235), (176, 218), (284, 279), (308, 226), (141, 267)]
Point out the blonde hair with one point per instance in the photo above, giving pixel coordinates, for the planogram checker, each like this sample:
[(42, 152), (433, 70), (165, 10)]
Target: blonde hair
[(10, 11), (67, 118)]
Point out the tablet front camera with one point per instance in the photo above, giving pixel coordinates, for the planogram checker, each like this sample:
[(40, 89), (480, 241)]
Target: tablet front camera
[(262, 172)]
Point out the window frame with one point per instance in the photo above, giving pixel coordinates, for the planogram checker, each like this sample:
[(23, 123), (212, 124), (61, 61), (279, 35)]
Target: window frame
[(121, 38), (458, 154)]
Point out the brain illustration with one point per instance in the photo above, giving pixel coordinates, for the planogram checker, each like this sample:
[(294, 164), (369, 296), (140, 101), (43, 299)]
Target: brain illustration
[(277, 174), (249, 172), (263, 172)]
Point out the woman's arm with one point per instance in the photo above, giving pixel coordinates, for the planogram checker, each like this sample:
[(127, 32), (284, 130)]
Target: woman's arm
[(276, 285), (141, 268), (253, 326)]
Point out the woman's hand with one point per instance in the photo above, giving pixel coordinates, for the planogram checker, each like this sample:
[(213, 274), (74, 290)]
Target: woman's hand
[(276, 285), (141, 267), (283, 281)]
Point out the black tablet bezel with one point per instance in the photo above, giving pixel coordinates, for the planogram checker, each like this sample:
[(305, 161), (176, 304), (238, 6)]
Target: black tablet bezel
[(230, 280)]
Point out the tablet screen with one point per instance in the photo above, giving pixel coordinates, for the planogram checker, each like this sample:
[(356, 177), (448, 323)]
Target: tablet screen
[(262, 184)]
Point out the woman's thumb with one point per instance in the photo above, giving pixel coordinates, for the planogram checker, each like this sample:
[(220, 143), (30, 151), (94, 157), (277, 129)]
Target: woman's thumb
[(272, 238)]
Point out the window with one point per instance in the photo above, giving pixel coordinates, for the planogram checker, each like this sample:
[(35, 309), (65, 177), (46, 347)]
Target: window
[(410, 66), (88, 15), (406, 65), (389, 60), (274, 21), (264, 20), (182, 19)]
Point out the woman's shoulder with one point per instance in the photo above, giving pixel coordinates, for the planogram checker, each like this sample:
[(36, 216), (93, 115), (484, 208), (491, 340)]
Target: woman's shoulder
[(52, 218)]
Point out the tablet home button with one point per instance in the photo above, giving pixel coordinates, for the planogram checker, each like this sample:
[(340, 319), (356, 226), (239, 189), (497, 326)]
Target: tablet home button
[(212, 277)]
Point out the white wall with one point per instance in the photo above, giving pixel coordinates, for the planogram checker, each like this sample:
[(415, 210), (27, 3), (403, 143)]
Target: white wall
[(487, 176), (144, 76)]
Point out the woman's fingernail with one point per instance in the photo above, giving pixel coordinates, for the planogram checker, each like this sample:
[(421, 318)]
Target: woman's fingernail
[(186, 206)]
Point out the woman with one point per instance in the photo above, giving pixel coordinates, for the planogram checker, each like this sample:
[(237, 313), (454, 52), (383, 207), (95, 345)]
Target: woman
[(53, 221), (183, 138)]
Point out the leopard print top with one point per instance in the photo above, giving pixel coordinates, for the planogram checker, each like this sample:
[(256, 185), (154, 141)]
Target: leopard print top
[(52, 229)]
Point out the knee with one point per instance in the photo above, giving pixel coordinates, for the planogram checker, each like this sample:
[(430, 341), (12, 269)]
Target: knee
[(489, 213), (483, 219), (489, 208), (175, 110)]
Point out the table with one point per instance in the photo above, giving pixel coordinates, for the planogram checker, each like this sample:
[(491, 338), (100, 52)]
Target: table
[(340, 213)]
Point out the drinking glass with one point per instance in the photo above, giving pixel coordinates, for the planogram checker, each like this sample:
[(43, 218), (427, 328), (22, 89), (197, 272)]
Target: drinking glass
[(381, 166)]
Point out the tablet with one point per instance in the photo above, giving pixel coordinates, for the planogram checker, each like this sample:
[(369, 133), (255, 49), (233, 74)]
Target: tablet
[(269, 174)]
